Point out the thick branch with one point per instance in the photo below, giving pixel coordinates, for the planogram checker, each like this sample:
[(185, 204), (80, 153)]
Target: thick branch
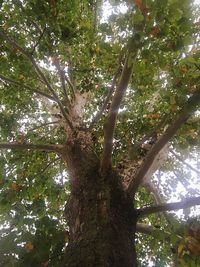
[(40, 73), (153, 231), (187, 203), (145, 228), (101, 111), (187, 110), (109, 126), (151, 188), (9, 80), (24, 146), (185, 163)]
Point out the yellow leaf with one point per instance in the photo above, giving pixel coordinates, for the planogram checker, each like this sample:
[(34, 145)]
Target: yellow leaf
[(138, 3), (193, 245), (155, 31), (29, 246), (172, 100), (5, 26), (192, 133), (21, 77), (14, 186), (181, 249), (184, 70), (173, 107), (97, 49)]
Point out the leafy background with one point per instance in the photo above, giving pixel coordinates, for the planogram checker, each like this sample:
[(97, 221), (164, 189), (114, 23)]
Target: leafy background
[(34, 185)]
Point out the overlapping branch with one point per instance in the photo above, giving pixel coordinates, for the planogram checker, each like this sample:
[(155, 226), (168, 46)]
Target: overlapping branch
[(28, 146), (38, 42), (71, 86), (40, 74), (187, 203), (47, 166), (62, 78), (184, 114), (109, 126), (9, 80), (105, 104), (182, 161)]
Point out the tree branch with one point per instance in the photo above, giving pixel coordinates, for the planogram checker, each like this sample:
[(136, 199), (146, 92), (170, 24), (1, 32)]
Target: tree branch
[(153, 231), (9, 80), (161, 124), (108, 97), (43, 125), (184, 181), (24, 146), (62, 77), (95, 16), (187, 203), (148, 185), (39, 39), (109, 126), (47, 166), (40, 73), (185, 163), (184, 114), (70, 85)]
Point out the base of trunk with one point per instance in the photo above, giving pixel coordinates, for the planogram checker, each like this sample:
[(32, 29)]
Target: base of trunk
[(100, 216), (102, 226), (107, 249)]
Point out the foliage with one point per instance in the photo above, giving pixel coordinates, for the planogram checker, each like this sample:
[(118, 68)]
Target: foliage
[(79, 38)]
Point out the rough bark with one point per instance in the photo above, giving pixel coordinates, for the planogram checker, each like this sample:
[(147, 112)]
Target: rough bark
[(100, 215)]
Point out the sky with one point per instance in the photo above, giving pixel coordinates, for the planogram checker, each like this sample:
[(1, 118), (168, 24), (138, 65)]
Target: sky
[(108, 10)]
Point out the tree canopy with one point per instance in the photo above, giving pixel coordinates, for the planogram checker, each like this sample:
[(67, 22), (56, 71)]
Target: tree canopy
[(128, 72)]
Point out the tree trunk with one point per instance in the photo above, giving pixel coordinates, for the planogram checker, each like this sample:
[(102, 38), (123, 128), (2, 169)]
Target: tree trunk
[(101, 217)]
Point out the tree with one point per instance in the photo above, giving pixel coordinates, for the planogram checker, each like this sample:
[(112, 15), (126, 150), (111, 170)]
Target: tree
[(98, 117)]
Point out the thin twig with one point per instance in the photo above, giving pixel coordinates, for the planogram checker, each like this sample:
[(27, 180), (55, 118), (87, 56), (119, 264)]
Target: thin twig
[(185, 183), (185, 163), (43, 125), (38, 42), (49, 164), (9, 80), (197, 66), (28, 146)]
